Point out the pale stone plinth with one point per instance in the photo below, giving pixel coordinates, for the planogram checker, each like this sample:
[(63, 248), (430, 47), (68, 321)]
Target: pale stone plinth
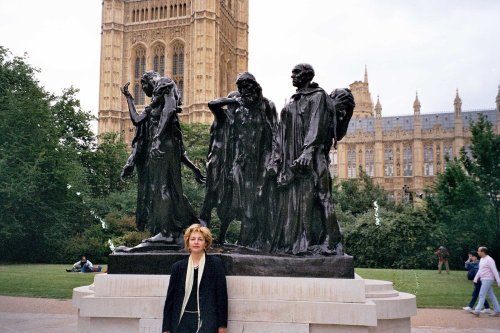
[(134, 303)]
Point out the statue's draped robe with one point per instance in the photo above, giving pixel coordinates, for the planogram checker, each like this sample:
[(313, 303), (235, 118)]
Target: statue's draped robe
[(168, 209), (304, 128), (219, 163), (252, 187)]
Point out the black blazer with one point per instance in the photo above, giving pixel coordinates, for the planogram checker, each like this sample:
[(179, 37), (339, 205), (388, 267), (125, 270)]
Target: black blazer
[(213, 296)]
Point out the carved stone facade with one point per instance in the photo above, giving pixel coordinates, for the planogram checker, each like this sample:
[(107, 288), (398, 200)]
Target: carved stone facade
[(403, 153), (201, 44)]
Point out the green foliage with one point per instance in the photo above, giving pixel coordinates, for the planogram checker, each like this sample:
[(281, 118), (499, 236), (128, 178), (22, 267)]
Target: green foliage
[(402, 239), (465, 196), (103, 165), (92, 243), (41, 192), (484, 166), (463, 213), (356, 195)]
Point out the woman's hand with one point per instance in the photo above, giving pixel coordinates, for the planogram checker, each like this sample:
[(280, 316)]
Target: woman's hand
[(222, 330)]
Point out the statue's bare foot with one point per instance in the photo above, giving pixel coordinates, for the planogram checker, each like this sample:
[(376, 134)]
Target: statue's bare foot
[(160, 238)]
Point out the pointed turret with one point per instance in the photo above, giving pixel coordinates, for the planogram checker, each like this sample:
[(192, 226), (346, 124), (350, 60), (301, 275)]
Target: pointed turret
[(416, 105), (458, 104), (378, 108), (363, 98)]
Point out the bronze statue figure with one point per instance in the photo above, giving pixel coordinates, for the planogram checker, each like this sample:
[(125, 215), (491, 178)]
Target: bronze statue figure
[(309, 122), (158, 152), (255, 124), (239, 182), (219, 163)]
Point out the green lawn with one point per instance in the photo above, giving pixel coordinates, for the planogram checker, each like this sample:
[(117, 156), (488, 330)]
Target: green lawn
[(433, 290), (47, 281)]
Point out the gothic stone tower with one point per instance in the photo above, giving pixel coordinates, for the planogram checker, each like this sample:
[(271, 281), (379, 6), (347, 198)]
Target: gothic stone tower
[(201, 44)]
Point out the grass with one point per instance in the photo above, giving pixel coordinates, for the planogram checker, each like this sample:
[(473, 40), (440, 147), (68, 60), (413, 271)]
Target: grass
[(433, 290), (44, 281)]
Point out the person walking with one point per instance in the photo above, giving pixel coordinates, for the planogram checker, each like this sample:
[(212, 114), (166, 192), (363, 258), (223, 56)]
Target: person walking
[(472, 266), (197, 293), (487, 273)]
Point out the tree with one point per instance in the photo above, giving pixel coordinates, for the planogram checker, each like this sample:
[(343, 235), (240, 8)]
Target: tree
[(40, 173), (403, 239), (356, 195), (484, 166), (463, 212)]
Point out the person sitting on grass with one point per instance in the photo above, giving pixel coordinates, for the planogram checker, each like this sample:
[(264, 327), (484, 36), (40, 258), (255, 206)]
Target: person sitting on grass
[(84, 266), (472, 266)]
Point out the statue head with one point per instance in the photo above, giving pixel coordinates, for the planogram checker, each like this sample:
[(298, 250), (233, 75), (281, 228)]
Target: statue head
[(249, 89), (148, 81), (302, 74)]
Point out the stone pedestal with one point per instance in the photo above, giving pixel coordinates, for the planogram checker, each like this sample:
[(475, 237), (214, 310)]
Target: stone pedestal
[(134, 303), (239, 261)]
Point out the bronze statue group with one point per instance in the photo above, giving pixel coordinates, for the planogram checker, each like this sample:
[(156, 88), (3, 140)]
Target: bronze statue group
[(270, 173)]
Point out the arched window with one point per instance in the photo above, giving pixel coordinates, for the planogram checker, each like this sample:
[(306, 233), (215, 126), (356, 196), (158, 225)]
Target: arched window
[(178, 62), (139, 69), (407, 161), (351, 163), (184, 9), (388, 162), (428, 160), (159, 60), (370, 162)]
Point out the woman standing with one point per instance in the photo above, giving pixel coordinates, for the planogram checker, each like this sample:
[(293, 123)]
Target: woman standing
[(197, 294)]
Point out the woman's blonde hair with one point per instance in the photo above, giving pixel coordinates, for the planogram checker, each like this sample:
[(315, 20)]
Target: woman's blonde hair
[(201, 229)]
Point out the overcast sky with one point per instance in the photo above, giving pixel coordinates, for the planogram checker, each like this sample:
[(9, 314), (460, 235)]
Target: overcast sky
[(432, 47)]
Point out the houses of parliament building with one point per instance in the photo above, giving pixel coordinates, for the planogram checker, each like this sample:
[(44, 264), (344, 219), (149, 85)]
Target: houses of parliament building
[(403, 153), (203, 44)]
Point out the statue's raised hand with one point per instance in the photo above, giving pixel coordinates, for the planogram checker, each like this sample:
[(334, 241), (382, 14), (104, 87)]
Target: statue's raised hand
[(125, 91)]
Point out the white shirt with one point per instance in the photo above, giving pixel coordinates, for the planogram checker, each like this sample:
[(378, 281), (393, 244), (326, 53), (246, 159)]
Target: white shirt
[(487, 270)]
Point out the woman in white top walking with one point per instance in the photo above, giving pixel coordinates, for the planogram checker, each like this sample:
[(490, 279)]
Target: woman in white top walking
[(487, 273)]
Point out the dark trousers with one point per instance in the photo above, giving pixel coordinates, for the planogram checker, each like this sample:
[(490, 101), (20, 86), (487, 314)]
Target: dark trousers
[(475, 295)]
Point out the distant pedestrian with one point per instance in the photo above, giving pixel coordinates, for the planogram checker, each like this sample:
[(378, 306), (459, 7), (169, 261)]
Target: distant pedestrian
[(84, 266), (443, 255), (487, 273), (472, 266)]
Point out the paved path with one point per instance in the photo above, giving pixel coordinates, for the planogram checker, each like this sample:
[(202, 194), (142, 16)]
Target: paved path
[(40, 315)]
